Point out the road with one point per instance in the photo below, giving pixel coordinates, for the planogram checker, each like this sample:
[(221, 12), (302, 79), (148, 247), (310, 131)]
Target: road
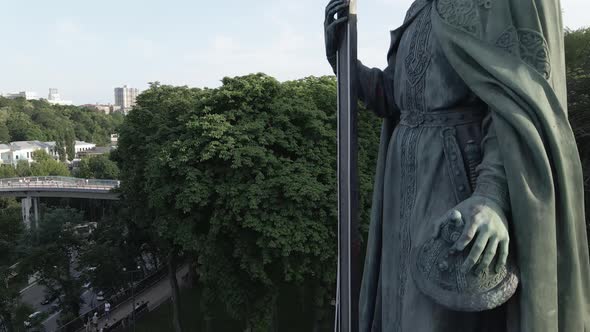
[(34, 294)]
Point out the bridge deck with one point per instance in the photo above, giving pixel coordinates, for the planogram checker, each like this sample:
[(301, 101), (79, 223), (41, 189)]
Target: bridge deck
[(57, 186)]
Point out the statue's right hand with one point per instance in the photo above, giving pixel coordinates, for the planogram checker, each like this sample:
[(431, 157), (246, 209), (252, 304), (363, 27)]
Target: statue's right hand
[(333, 28)]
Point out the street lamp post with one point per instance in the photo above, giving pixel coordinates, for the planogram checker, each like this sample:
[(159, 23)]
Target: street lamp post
[(138, 269)]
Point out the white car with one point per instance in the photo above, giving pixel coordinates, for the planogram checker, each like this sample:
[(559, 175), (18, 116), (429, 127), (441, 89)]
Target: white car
[(32, 317), (100, 296)]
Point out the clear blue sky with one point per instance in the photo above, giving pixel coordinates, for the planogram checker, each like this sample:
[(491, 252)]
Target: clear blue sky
[(85, 48)]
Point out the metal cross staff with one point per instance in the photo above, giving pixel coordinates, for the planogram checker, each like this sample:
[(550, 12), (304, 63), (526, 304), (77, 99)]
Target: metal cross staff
[(348, 193)]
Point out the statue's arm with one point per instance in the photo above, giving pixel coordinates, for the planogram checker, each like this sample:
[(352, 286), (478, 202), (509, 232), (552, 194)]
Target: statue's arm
[(375, 90), (491, 180), (486, 211)]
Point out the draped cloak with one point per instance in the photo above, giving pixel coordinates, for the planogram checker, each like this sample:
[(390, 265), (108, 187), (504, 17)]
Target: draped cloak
[(510, 54)]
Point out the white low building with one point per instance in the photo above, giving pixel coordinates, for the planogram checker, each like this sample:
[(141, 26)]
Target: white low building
[(81, 146), (14, 152), (6, 154), (23, 150)]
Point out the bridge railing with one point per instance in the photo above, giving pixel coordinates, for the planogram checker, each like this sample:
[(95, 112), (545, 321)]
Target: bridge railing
[(41, 182)]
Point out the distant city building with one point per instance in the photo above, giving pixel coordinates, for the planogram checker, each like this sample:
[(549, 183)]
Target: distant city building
[(125, 98), (28, 95), (55, 99), (102, 108)]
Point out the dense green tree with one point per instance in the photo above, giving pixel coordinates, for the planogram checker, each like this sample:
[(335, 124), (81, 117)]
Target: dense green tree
[(22, 128), (42, 165), (11, 232), (98, 167), (52, 251), (4, 133), (112, 247), (45, 165), (577, 49), (242, 177), (39, 120), (23, 168), (577, 46), (7, 171)]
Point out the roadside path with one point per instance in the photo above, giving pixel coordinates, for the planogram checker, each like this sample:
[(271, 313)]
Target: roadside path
[(154, 296)]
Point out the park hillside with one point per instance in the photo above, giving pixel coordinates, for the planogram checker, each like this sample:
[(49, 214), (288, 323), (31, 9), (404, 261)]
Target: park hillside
[(234, 185)]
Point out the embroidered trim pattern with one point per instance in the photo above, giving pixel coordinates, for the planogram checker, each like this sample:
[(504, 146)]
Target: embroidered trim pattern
[(463, 14), (416, 63), (508, 41), (534, 51), (418, 4), (409, 142)]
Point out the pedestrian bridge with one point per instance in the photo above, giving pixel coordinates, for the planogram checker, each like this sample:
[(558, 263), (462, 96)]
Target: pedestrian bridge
[(59, 186), (32, 188)]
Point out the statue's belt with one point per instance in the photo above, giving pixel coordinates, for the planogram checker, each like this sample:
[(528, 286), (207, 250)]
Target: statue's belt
[(442, 118), (462, 158)]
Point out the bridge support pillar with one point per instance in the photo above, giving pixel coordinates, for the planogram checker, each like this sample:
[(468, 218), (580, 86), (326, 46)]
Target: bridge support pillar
[(36, 211), (26, 204)]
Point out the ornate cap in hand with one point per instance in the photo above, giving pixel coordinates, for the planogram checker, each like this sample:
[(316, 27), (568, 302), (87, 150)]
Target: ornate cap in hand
[(437, 272)]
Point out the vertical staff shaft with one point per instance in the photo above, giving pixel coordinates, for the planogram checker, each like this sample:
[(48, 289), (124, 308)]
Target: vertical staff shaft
[(348, 193)]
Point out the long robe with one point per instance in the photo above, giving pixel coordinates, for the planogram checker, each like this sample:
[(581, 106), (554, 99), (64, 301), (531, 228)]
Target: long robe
[(510, 55)]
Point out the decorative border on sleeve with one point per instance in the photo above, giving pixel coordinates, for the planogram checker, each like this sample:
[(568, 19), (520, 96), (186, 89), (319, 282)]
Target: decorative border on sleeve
[(535, 51), (508, 41), (462, 14)]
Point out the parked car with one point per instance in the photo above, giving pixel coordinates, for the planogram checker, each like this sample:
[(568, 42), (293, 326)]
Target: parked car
[(48, 299), (34, 319), (100, 296)]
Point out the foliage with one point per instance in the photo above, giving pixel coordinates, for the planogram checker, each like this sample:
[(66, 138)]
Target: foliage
[(25, 120), (44, 165), (577, 46), (577, 50), (11, 232), (21, 315), (109, 249), (7, 171), (52, 252), (242, 177), (98, 167)]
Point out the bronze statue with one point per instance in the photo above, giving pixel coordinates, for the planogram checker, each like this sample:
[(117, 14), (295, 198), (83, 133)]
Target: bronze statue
[(479, 181)]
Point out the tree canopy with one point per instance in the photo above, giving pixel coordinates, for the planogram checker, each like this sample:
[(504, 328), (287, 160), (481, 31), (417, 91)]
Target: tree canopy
[(243, 178), (51, 253), (26, 120), (98, 167)]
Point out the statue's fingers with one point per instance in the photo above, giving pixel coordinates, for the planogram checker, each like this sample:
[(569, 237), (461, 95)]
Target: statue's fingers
[(337, 23), (453, 215), (331, 4), (502, 256), (334, 7), (488, 255), (476, 251), (468, 234)]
